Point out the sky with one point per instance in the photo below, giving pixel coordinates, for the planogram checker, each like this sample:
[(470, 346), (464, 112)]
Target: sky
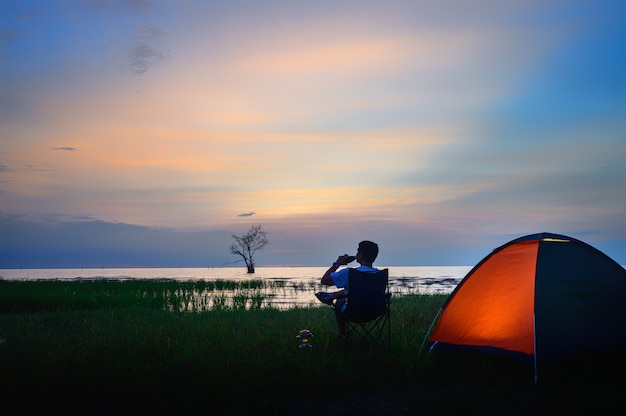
[(147, 133)]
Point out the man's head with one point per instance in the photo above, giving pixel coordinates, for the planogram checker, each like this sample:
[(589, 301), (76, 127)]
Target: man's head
[(369, 250)]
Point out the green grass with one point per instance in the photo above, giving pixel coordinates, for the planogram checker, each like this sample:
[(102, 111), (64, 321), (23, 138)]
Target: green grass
[(128, 347), (190, 296)]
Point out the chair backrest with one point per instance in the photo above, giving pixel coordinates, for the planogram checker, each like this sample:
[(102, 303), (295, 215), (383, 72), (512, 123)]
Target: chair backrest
[(367, 295)]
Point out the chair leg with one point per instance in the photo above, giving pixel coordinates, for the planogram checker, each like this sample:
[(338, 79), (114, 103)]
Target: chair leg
[(373, 330)]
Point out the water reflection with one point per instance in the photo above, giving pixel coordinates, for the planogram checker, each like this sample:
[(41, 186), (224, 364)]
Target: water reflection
[(285, 293), (299, 293)]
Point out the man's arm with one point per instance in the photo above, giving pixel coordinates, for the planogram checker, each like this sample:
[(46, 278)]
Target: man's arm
[(341, 261), (326, 279)]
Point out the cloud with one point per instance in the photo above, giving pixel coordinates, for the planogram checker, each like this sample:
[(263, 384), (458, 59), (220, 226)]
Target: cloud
[(139, 6), (65, 148), (6, 34), (38, 168), (134, 6), (147, 32), (246, 214), (95, 243), (143, 56)]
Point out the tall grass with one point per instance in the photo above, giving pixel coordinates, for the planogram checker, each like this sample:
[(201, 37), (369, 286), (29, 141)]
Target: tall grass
[(128, 347), (189, 296)]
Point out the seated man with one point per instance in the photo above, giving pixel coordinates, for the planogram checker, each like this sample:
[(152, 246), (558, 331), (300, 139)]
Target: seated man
[(365, 256)]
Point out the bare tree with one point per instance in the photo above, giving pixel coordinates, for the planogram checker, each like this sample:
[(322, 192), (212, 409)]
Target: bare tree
[(248, 244)]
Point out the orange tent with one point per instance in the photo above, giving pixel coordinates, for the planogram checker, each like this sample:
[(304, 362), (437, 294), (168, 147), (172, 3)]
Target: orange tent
[(543, 296)]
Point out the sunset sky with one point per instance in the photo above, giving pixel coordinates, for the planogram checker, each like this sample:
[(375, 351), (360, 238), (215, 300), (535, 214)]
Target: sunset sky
[(146, 133)]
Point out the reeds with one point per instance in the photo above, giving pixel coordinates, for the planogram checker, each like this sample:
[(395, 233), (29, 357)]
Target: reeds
[(175, 295)]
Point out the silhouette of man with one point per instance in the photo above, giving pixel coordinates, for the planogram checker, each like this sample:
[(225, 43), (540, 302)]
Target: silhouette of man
[(366, 254)]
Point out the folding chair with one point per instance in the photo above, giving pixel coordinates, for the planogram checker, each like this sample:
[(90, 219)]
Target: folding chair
[(367, 310)]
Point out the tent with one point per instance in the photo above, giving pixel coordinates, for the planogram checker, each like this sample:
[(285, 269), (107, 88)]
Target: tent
[(543, 297)]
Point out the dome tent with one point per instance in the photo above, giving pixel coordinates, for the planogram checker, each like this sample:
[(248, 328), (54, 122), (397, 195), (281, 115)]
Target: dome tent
[(542, 297)]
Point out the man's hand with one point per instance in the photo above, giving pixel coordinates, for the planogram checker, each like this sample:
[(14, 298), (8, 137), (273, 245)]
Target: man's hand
[(345, 259)]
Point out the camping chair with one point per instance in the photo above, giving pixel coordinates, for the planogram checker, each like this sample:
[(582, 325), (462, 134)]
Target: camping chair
[(367, 311)]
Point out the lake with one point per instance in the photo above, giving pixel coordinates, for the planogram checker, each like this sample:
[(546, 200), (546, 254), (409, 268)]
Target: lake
[(295, 285)]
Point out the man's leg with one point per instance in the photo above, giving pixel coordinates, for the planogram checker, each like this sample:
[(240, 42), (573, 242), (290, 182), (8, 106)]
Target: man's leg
[(329, 297), (341, 320)]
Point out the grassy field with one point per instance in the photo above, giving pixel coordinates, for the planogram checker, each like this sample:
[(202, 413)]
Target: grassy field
[(128, 347)]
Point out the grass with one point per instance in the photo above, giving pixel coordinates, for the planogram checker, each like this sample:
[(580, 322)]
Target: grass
[(128, 347), (186, 296)]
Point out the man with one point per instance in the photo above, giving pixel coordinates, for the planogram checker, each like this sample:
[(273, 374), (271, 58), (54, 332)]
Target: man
[(365, 255)]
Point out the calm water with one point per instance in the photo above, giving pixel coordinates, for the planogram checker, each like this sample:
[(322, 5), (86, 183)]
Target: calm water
[(298, 283)]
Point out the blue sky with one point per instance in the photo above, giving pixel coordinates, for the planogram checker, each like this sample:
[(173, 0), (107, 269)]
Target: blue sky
[(137, 133)]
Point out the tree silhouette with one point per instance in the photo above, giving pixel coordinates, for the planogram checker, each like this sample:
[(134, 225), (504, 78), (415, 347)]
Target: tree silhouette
[(248, 244)]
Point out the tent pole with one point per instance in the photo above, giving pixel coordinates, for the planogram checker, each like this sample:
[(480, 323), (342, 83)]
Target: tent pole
[(535, 347), (429, 331)]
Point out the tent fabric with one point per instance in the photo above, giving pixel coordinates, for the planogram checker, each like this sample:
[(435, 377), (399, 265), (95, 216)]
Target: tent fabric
[(543, 296)]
